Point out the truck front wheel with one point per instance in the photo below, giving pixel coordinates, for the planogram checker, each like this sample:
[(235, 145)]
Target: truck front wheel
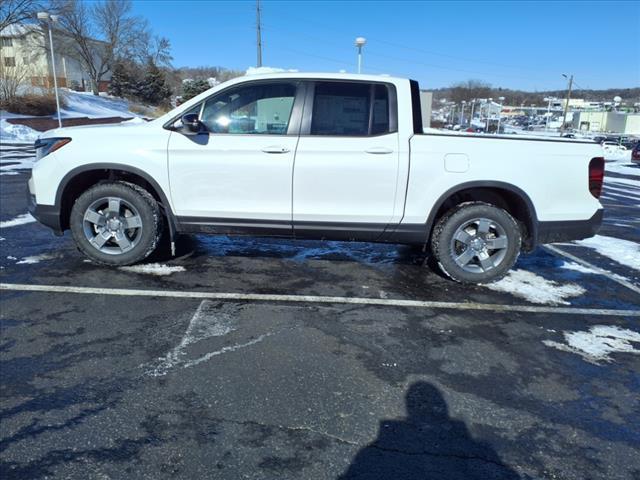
[(476, 243), (116, 223)]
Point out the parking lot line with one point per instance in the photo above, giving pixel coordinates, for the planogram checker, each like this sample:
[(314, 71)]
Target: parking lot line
[(611, 276), (277, 298)]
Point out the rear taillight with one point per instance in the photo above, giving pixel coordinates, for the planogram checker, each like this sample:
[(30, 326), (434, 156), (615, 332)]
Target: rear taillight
[(596, 176)]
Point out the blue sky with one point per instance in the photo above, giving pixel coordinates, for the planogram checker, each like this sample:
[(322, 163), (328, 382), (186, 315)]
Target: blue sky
[(526, 45)]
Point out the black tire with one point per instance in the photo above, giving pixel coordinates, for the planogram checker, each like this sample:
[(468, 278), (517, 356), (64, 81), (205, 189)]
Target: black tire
[(135, 201), (486, 264)]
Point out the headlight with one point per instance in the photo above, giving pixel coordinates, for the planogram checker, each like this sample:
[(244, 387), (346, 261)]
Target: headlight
[(45, 146)]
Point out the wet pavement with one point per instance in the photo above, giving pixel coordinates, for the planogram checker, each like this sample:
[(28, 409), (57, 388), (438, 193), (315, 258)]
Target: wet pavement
[(106, 386)]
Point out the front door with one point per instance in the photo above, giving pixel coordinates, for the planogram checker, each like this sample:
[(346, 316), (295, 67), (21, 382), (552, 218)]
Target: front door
[(239, 172), (347, 162)]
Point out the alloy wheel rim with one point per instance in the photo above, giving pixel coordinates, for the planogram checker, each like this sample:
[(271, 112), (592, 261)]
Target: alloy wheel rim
[(112, 225), (479, 245)]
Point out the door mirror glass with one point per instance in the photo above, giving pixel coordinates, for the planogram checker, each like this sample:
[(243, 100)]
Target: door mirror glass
[(191, 125)]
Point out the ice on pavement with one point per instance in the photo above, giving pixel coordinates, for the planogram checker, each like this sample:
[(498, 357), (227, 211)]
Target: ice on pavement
[(536, 289), (153, 269), (624, 252), (37, 258), (19, 220), (598, 343), (10, 133)]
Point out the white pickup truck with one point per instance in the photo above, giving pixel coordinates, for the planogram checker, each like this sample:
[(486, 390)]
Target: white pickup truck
[(315, 156)]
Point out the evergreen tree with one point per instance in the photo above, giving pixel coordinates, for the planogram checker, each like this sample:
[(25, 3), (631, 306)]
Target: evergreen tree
[(153, 88), (191, 88), (124, 81), (119, 81)]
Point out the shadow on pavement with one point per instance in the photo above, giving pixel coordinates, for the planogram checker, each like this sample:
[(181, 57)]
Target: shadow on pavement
[(427, 445)]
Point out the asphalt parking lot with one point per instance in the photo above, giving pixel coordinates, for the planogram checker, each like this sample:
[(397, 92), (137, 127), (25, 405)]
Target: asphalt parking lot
[(269, 359)]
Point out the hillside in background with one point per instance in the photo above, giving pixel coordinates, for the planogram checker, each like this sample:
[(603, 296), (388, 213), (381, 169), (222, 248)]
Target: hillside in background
[(476, 89)]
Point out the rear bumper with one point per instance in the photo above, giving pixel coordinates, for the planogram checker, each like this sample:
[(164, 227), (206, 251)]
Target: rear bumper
[(48, 215), (551, 232)]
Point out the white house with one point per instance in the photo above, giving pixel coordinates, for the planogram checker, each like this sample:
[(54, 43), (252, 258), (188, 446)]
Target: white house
[(24, 52)]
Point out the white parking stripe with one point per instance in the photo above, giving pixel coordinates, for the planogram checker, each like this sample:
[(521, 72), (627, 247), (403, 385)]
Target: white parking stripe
[(261, 297), (601, 271)]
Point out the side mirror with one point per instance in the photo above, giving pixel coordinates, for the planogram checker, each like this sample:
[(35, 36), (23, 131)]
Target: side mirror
[(191, 125)]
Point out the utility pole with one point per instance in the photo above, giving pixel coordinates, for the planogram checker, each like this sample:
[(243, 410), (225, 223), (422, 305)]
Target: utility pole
[(566, 105), (259, 34)]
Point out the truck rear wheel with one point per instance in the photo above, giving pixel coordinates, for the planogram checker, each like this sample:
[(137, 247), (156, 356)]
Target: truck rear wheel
[(476, 243), (116, 223)]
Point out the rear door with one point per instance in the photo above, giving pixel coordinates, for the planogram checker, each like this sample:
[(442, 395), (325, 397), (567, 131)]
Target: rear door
[(346, 167)]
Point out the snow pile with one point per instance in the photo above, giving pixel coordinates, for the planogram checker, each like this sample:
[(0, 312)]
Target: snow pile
[(615, 152), (19, 220), (536, 289), (86, 104), (157, 269), (624, 252), (598, 343), (263, 70), (10, 133)]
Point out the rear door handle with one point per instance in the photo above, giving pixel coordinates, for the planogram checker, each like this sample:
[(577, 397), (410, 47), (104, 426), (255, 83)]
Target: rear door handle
[(275, 149), (379, 150)]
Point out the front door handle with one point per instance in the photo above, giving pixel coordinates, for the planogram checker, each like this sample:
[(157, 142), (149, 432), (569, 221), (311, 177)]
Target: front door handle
[(379, 150), (275, 149)]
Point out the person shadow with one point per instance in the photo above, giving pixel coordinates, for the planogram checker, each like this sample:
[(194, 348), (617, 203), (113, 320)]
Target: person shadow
[(427, 445)]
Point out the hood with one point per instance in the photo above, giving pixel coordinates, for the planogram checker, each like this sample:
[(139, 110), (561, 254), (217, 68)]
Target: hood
[(110, 128)]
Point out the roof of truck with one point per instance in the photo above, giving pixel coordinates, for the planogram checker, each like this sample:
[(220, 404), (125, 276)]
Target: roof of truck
[(326, 75)]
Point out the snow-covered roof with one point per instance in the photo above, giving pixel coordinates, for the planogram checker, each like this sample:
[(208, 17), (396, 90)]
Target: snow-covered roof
[(19, 30)]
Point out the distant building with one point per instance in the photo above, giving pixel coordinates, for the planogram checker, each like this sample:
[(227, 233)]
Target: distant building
[(614, 122), (576, 104), (24, 50), (426, 99)]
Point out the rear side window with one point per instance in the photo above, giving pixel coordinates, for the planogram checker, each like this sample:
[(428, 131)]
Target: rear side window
[(350, 109)]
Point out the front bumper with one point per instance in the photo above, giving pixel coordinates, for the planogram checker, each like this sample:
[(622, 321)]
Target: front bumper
[(552, 232), (48, 215)]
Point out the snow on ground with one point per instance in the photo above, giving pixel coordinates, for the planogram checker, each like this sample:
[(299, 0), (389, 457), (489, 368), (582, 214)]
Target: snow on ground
[(153, 269), (622, 251), (86, 104), (597, 344), (37, 258), (624, 167), (536, 289), (10, 133), (19, 220), (616, 152)]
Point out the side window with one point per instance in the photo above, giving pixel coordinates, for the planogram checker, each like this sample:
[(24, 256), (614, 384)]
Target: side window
[(380, 115), (350, 109), (263, 109), (341, 109)]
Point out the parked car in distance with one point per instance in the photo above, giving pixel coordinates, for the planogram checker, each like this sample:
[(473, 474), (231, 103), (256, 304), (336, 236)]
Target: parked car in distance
[(635, 153), (319, 156)]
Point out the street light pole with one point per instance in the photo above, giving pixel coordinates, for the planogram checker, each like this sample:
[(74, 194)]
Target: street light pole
[(566, 105), (360, 41), (499, 114), (258, 35), (49, 19)]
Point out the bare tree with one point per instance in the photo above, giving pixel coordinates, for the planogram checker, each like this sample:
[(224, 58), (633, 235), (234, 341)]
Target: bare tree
[(99, 33), (11, 77), (17, 11)]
